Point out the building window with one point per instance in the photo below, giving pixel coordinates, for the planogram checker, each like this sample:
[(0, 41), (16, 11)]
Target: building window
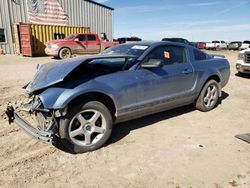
[(2, 35)]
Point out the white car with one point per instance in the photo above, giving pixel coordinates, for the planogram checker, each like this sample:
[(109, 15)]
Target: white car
[(245, 45), (216, 45), (243, 62)]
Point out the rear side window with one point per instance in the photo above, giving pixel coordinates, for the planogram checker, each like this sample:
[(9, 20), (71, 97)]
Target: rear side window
[(91, 38), (169, 54), (199, 55), (2, 35)]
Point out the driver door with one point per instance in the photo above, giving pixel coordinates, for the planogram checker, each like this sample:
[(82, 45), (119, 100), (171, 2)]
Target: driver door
[(168, 85), (81, 44)]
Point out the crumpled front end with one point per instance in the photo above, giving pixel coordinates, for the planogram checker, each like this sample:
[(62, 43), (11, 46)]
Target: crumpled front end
[(46, 127)]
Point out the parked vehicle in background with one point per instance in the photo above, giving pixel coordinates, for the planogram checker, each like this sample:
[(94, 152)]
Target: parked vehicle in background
[(245, 45), (243, 62), (235, 45), (180, 40), (77, 44), (77, 101), (128, 40), (216, 45), (201, 45)]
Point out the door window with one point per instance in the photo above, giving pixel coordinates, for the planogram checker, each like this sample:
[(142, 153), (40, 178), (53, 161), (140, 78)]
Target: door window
[(91, 38), (169, 54), (82, 37), (2, 35)]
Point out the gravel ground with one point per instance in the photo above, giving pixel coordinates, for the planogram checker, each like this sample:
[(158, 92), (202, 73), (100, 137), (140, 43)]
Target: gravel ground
[(177, 148)]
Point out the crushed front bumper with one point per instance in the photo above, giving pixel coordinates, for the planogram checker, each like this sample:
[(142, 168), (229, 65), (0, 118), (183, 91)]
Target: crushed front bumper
[(29, 129)]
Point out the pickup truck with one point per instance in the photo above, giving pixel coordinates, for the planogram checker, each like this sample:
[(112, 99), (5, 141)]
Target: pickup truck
[(216, 45), (243, 62), (77, 101), (245, 45), (77, 44), (235, 45)]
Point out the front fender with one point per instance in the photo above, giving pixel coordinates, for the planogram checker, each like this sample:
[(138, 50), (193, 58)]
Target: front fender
[(59, 98)]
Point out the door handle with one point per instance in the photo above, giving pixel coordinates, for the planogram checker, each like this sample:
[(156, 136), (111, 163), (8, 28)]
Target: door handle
[(187, 71)]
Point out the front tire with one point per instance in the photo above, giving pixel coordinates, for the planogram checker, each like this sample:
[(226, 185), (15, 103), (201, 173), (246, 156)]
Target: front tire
[(86, 127), (208, 97), (64, 53)]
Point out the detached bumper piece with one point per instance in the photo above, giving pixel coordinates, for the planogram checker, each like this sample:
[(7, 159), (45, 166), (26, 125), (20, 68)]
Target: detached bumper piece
[(29, 129)]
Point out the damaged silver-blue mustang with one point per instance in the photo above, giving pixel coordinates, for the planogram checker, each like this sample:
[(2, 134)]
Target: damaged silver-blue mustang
[(79, 100)]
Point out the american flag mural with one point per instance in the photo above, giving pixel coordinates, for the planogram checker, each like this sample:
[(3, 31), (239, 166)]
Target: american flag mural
[(47, 12)]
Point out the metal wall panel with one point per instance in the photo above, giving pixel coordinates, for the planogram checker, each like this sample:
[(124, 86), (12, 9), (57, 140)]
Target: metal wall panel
[(81, 13), (11, 11), (86, 14)]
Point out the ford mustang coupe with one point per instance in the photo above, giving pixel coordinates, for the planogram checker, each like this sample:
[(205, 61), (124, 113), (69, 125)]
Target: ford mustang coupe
[(78, 101)]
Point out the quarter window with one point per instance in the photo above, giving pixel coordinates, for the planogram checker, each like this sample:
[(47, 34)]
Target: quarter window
[(2, 35), (169, 54), (199, 55)]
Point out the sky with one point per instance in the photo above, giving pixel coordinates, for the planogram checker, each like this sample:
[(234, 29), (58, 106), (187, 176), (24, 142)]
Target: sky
[(195, 20)]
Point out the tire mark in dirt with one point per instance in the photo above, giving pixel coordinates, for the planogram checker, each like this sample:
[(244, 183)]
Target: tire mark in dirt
[(7, 132), (29, 157), (27, 145)]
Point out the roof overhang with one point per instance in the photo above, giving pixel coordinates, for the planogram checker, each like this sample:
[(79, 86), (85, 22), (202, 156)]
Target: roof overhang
[(102, 5)]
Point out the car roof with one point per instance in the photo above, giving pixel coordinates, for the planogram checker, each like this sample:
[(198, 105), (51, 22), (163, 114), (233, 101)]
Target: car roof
[(155, 43), (173, 38), (235, 42)]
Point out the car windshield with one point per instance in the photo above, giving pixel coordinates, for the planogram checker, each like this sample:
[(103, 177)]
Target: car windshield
[(216, 41), (246, 42), (70, 37), (129, 49), (235, 42)]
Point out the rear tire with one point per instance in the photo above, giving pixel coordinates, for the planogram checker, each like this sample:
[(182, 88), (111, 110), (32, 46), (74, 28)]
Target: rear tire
[(86, 127), (208, 97)]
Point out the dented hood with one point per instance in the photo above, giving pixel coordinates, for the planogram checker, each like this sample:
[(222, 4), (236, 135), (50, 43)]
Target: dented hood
[(53, 73)]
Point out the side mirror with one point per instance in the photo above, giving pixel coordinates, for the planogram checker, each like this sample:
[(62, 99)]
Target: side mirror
[(152, 63), (76, 39)]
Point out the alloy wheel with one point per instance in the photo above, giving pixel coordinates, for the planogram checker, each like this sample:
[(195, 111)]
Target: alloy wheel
[(87, 127), (211, 96)]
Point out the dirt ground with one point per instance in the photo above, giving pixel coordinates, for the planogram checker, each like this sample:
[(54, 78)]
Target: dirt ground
[(178, 148)]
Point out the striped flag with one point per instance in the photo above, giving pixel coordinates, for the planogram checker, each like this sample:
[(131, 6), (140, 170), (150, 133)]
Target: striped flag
[(47, 12)]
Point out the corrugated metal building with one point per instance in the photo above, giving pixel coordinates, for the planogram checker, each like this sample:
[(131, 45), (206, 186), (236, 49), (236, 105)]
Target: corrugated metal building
[(83, 13)]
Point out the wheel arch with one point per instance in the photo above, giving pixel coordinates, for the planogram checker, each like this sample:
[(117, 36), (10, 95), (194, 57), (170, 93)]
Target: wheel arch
[(64, 47), (212, 77), (96, 96)]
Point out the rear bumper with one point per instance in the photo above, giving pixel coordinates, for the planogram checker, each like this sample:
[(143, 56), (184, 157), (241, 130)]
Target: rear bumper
[(29, 129), (233, 48)]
